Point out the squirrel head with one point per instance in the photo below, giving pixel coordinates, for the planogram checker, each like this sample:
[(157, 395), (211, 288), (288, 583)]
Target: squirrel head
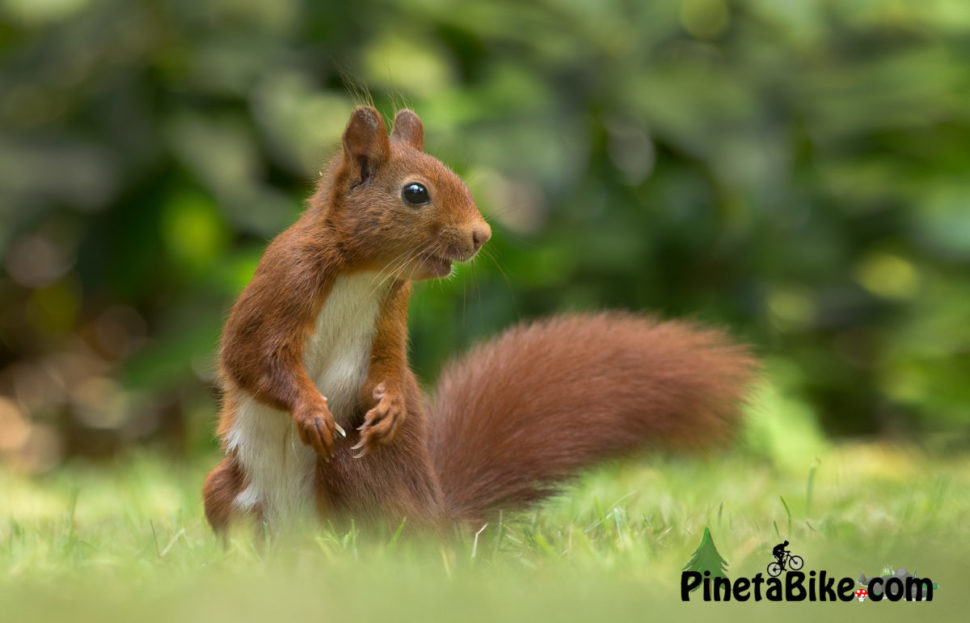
[(397, 209)]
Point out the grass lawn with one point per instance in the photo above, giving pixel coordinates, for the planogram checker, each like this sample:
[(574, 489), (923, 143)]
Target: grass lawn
[(127, 542)]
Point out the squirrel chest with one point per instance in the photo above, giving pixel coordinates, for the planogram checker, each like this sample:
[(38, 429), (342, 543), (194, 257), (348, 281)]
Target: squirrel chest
[(337, 353), (278, 467)]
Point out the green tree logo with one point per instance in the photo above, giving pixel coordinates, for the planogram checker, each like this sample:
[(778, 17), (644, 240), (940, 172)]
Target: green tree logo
[(707, 558)]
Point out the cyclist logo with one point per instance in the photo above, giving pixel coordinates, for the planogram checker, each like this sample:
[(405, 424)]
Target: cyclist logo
[(706, 574), (783, 557)]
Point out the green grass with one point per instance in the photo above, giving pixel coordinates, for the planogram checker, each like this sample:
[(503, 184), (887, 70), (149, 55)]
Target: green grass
[(127, 542)]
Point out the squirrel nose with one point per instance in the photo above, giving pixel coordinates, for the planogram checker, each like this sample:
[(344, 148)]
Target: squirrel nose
[(480, 235)]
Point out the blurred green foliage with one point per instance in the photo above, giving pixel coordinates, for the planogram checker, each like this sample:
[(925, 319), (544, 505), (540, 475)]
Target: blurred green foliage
[(797, 171)]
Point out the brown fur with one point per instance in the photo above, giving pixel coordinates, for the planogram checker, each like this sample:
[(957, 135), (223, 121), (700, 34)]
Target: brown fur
[(355, 221), (520, 414), (220, 489), (513, 418), (395, 481)]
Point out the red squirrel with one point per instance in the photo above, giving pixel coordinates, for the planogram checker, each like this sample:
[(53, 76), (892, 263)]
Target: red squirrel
[(322, 415)]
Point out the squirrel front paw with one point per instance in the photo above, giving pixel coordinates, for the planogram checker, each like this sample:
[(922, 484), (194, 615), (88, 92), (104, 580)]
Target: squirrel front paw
[(316, 427), (382, 422)]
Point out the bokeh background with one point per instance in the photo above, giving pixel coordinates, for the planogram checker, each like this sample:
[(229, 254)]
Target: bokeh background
[(796, 171)]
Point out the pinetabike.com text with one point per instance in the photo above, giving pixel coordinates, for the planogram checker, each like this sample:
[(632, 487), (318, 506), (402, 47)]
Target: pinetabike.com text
[(798, 586)]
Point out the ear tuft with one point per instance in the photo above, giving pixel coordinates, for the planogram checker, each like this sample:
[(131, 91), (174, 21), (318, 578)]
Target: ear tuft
[(408, 128), (365, 143)]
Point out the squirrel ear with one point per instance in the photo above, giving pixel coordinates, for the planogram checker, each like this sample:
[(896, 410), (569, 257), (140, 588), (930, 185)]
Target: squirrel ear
[(408, 128), (365, 143)]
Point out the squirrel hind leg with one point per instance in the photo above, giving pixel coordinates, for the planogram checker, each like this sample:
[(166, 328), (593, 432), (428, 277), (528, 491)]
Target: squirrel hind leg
[(222, 485)]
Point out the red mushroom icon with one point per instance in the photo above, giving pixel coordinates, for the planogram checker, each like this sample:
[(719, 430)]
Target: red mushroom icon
[(861, 594)]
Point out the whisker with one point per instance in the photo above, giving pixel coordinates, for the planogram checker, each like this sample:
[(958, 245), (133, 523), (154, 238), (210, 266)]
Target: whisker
[(476, 282), (392, 267), (403, 261), (383, 271), (499, 267)]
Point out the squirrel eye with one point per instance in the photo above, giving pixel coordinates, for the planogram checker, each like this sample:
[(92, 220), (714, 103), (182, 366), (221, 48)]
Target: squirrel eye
[(415, 194)]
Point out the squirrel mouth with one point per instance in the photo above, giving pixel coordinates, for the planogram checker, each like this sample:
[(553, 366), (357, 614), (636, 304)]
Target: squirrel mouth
[(438, 266)]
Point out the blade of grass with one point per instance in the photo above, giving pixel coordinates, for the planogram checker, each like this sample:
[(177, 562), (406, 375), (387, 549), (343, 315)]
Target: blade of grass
[(810, 486), (787, 512), (397, 534)]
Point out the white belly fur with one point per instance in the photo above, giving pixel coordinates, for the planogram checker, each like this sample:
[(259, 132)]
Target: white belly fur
[(278, 466)]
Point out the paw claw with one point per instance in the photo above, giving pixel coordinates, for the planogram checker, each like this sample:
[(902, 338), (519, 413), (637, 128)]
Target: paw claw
[(340, 430), (315, 426), (381, 422)]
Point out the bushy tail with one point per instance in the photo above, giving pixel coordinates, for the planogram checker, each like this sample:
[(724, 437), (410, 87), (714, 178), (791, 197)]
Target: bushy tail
[(518, 415)]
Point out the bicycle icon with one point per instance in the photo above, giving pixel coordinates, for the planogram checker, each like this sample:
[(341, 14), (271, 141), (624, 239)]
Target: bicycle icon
[(794, 563)]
